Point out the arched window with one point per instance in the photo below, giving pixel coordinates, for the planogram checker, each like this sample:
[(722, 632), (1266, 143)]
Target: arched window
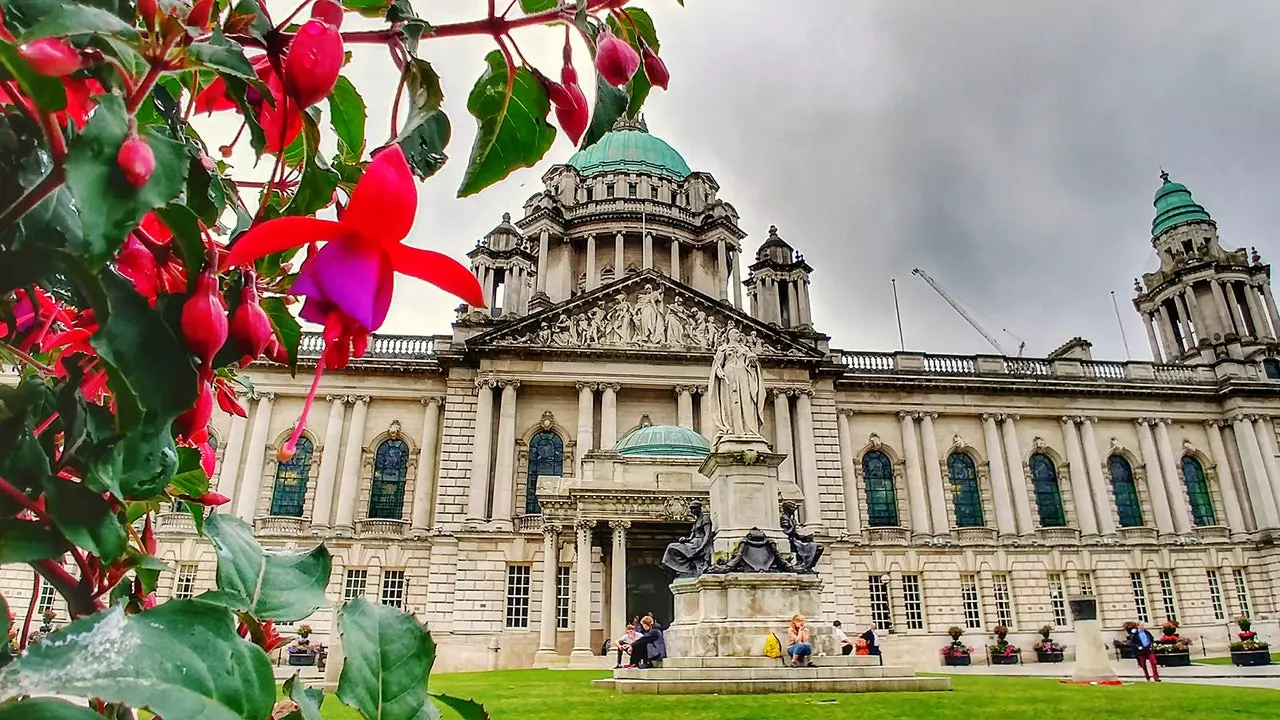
[(1128, 506), (964, 486), (291, 481), (390, 465), (546, 457), (882, 498), (1198, 492), (1044, 479)]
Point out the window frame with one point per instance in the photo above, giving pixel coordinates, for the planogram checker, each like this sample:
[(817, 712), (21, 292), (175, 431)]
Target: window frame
[(184, 581), (1047, 489), (971, 601), (1199, 496), (390, 580), (913, 601), (350, 584), (882, 500), (962, 471), (880, 601), (1216, 600), (519, 596), (289, 499), (387, 504), (1141, 606), (1130, 485), (1058, 599)]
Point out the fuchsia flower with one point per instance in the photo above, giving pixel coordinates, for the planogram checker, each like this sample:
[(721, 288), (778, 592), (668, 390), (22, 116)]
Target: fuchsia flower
[(315, 55), (615, 59), (654, 68), (348, 282), (52, 57)]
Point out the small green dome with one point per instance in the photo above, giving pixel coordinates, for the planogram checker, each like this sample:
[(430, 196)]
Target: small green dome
[(629, 147), (663, 441), (1174, 206)]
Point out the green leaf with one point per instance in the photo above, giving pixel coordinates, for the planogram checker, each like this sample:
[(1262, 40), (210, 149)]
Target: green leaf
[(368, 8), (641, 24), (45, 708), (282, 585), (6, 651), (187, 238), (109, 206), (347, 118), (247, 18), (611, 103), (190, 479), (138, 466), (535, 6), (513, 133), (224, 55), (25, 541), (315, 190), (388, 657), (308, 699), (86, 519), (182, 659), (424, 146), (467, 709), (77, 19), (286, 326), (47, 92)]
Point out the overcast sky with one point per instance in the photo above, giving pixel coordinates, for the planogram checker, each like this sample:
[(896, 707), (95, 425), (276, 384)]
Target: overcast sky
[(1010, 148)]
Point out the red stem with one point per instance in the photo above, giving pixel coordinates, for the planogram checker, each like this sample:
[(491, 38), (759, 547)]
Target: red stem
[(79, 601), (31, 610), (33, 197), (24, 357), (19, 497), (144, 88)]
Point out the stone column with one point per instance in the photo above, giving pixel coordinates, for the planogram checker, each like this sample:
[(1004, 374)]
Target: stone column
[(582, 650), (1203, 331), (999, 480), (675, 258), (428, 461), (1097, 484), (618, 579), (808, 460), (1190, 331), (547, 618), (352, 455), (646, 251), (782, 435), (619, 266), (737, 280), (1179, 505), (1262, 318), (1079, 478), (322, 508), (1149, 321), (933, 475), (586, 423), (706, 414), (848, 474), (915, 480), (1261, 497), (1224, 310), (1017, 478), (1155, 478), (1267, 446), (481, 451), (1226, 479), (806, 308), (793, 302), (543, 242), (609, 415), (229, 469), (1255, 310), (775, 301), (504, 468), (593, 277), (1270, 300), (256, 455), (684, 406), (722, 271), (1172, 349), (1233, 304)]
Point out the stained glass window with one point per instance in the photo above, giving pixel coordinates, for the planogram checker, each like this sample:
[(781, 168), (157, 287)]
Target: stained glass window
[(546, 457), (1044, 479), (964, 487), (1198, 492), (390, 465), (882, 498), (1128, 506), (291, 481)]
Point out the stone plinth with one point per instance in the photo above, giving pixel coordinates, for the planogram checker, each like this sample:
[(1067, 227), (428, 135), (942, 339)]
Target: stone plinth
[(761, 675), (1093, 662), (729, 615), (744, 490)]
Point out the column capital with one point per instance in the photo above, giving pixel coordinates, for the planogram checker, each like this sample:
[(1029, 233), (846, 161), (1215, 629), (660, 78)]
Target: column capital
[(1161, 421), (1088, 419), (988, 417), (353, 399), (486, 382), (681, 389), (508, 383), (336, 398), (846, 412), (433, 400), (907, 415), (583, 385), (610, 386), (1010, 417), (584, 526), (929, 415), (268, 396), (551, 531), (1141, 422), (699, 389), (619, 525)]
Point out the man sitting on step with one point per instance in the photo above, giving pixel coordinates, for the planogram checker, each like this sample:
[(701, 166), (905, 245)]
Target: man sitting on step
[(649, 646)]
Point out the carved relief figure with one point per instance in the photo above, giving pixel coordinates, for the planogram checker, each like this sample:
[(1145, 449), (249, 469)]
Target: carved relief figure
[(675, 323), (736, 388), (806, 553), (649, 311), (622, 321), (691, 556)]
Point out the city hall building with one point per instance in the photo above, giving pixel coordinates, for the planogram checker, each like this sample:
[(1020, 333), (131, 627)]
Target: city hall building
[(514, 481)]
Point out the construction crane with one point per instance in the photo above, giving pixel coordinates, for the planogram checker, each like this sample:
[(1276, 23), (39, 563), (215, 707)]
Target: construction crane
[(965, 314)]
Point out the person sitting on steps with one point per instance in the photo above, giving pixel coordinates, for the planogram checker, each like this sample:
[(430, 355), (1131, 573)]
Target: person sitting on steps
[(649, 646), (799, 642), (625, 642), (846, 645)]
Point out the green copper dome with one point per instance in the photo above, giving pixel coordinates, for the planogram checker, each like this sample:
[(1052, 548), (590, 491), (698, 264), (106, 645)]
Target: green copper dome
[(1174, 206), (663, 441), (629, 147)]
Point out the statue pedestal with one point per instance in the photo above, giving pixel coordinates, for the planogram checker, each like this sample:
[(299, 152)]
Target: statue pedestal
[(744, 490), (729, 615), (1093, 662)]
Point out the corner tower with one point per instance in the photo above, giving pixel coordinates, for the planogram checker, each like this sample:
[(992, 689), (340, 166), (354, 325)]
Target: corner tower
[(779, 284)]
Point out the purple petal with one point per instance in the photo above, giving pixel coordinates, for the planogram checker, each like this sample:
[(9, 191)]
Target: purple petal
[(353, 277)]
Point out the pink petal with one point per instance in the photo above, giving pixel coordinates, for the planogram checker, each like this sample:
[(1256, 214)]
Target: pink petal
[(440, 270), (385, 199), (352, 277), (280, 234)]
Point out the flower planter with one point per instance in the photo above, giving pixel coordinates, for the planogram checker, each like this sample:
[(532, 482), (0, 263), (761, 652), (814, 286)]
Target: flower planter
[(1048, 657), (1004, 659), (1251, 658), (957, 660), (1181, 659), (1126, 653), (302, 659)]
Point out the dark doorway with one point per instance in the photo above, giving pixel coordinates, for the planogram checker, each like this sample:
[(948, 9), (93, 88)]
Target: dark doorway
[(649, 592)]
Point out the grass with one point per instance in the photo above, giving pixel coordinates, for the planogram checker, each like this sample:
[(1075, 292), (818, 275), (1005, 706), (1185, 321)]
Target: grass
[(1226, 660), (557, 694)]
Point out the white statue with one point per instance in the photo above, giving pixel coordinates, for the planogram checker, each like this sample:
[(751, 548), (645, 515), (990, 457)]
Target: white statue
[(736, 387), (649, 316)]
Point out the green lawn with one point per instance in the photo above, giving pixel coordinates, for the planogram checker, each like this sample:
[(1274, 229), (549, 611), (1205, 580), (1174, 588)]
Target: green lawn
[(557, 694), (1275, 658)]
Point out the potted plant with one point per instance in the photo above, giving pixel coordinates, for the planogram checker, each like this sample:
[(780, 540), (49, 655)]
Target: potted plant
[(301, 652), (1124, 646), (1048, 651), (956, 653), (1002, 652), (1172, 650), (1249, 651), (46, 626)]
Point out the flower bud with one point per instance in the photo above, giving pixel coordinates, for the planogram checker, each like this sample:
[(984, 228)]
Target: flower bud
[(328, 11), (136, 160), (315, 58), (250, 327), (569, 102), (54, 57), (200, 15), (211, 499), (654, 68), (616, 61), (148, 12), (208, 458), (204, 319)]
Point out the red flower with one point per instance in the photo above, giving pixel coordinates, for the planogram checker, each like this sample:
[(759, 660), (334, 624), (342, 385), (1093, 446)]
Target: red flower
[(315, 55), (53, 57), (654, 68), (615, 59)]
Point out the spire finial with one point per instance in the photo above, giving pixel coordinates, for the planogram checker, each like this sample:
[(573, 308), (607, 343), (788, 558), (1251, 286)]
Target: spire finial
[(1164, 174), (506, 217)]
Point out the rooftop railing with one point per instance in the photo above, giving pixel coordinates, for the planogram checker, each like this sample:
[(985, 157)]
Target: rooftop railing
[(859, 362)]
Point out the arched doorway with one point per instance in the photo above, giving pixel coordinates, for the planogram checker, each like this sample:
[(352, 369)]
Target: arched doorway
[(649, 592)]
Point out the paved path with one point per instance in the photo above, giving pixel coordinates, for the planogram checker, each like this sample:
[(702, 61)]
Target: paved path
[(1266, 676)]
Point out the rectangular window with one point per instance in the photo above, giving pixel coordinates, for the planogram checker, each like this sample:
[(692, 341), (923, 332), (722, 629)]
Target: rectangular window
[(517, 596), (1140, 609), (1242, 593), (1085, 579), (354, 583), (1215, 595), (1166, 596), (633, 190), (393, 588), (653, 192), (1004, 599), (591, 194), (608, 190), (972, 606), (914, 601), (881, 612), (562, 597), (47, 597), (1057, 600), (185, 586)]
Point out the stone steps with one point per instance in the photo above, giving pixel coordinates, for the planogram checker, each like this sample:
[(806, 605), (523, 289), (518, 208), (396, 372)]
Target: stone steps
[(760, 675), (760, 687), (764, 673), (766, 662)]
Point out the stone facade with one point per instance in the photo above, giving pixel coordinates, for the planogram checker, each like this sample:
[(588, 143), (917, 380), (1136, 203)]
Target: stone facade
[(472, 479)]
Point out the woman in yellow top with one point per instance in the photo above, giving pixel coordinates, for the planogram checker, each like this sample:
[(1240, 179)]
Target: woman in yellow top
[(799, 642)]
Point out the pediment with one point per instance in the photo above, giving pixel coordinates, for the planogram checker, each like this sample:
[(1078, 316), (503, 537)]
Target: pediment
[(646, 312)]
